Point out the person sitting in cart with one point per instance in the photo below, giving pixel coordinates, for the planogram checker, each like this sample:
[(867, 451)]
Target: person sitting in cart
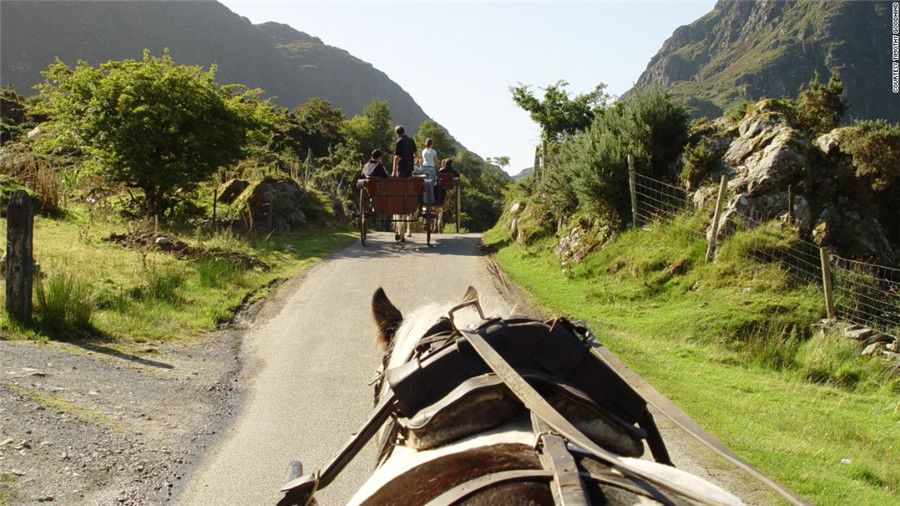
[(446, 168), (428, 171), (375, 166)]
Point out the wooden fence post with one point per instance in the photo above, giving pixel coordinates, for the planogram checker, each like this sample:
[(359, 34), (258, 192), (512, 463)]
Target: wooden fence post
[(826, 282), (711, 246), (790, 205), (632, 188), (215, 201), (19, 256)]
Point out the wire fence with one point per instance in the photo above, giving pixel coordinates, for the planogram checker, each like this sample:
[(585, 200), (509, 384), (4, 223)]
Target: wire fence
[(863, 293)]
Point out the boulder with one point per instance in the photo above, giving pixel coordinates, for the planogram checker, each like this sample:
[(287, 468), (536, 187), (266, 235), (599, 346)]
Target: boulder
[(758, 210), (772, 168), (579, 239), (229, 190), (274, 204), (829, 143)]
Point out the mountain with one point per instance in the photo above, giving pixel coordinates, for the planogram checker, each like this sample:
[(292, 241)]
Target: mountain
[(749, 50), (289, 65)]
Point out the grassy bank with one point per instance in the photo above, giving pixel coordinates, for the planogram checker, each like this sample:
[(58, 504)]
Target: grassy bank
[(132, 293), (729, 342)]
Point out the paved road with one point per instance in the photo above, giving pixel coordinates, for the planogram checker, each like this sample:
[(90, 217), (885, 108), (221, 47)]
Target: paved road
[(311, 362)]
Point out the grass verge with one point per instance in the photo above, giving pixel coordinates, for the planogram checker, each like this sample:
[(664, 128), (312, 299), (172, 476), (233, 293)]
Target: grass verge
[(113, 293), (729, 342)]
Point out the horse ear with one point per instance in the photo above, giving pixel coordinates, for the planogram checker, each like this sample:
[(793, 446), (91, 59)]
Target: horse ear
[(387, 318), (471, 294)]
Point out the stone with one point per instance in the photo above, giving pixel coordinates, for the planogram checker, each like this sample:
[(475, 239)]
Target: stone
[(872, 349), (857, 333), (163, 241), (515, 207), (829, 143), (290, 248), (274, 204), (229, 190), (878, 337)]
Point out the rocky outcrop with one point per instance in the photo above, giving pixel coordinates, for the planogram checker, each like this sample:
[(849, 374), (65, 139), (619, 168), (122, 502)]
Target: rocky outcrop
[(229, 190), (273, 204)]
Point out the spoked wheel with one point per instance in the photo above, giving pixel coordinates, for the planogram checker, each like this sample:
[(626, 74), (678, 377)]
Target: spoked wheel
[(362, 217)]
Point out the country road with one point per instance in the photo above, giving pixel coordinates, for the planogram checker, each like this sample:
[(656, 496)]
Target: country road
[(312, 358)]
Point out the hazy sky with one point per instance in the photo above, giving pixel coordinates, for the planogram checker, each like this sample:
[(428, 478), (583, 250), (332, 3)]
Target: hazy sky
[(458, 59)]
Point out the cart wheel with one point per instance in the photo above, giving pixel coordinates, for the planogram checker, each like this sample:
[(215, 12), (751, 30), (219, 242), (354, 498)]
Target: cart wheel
[(362, 217)]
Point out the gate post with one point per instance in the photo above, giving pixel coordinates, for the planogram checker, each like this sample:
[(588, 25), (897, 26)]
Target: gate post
[(19, 256), (711, 245), (632, 189)]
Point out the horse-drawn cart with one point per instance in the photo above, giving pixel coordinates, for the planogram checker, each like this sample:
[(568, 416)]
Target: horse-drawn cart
[(399, 200)]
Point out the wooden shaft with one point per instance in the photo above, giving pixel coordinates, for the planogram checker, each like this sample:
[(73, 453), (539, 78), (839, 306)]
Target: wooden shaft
[(19, 259), (711, 246), (826, 282), (632, 188), (790, 205)]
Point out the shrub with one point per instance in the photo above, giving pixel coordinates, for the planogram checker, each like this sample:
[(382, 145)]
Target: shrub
[(735, 112), (820, 107), (875, 148), (216, 272), (699, 160), (64, 304), (20, 167)]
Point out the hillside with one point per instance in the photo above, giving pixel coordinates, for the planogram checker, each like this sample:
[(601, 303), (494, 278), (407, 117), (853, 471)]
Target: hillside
[(749, 50), (290, 65)]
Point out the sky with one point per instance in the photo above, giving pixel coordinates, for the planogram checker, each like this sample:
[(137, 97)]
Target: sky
[(459, 59)]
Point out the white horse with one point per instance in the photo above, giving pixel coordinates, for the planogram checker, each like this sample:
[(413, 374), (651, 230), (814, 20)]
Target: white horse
[(409, 476)]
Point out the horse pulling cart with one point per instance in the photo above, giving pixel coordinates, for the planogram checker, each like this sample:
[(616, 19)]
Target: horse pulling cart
[(399, 200)]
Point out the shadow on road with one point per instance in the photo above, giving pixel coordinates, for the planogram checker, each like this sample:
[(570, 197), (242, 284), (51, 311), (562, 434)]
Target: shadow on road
[(382, 245)]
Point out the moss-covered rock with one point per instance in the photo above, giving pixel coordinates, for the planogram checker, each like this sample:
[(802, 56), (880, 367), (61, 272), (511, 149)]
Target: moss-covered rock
[(279, 204)]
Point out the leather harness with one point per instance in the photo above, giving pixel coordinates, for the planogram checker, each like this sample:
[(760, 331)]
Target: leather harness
[(520, 357)]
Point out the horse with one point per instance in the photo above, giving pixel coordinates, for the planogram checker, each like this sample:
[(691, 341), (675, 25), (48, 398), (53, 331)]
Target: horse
[(490, 439)]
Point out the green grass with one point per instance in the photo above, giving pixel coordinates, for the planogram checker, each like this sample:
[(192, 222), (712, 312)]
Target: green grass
[(729, 342), (141, 296), (57, 403)]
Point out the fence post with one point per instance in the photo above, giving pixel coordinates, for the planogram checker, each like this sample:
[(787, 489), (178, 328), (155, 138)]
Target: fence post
[(826, 282), (19, 259), (632, 188), (711, 246), (215, 201), (790, 205)]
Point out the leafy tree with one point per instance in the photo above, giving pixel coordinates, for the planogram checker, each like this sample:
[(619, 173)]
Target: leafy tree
[(317, 126), (370, 130), (653, 127), (482, 187), (820, 107), (875, 148), (150, 124), (500, 161), (558, 114), (444, 143)]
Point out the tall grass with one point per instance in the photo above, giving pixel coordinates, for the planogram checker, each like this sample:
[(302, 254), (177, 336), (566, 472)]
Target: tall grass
[(217, 272), (64, 304)]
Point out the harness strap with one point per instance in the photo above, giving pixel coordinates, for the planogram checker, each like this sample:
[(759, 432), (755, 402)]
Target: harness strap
[(536, 403), (467, 488), (568, 490)]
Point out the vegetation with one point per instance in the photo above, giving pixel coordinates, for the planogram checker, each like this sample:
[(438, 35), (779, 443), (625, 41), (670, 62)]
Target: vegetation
[(149, 124), (820, 107), (558, 114), (742, 326)]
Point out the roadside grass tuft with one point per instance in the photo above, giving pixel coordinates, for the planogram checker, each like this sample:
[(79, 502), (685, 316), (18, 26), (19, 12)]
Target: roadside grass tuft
[(64, 305), (57, 403)]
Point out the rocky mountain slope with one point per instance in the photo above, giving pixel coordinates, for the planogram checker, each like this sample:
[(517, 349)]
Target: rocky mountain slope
[(290, 65), (750, 50)]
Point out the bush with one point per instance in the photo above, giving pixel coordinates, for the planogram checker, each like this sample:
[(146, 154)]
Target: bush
[(64, 304), (21, 168), (820, 107), (699, 160), (875, 148)]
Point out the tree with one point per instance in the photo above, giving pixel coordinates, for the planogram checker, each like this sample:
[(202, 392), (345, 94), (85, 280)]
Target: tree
[(317, 126), (652, 126), (500, 161), (820, 107), (13, 114), (149, 124), (370, 130), (444, 143), (558, 114)]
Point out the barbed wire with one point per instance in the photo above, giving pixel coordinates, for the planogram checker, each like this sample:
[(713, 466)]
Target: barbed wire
[(864, 293)]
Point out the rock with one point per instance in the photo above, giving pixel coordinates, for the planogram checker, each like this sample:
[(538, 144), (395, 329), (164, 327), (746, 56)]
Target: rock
[(878, 338), (229, 190), (872, 349), (858, 333), (829, 143), (6, 441), (33, 132), (163, 242), (579, 239), (17, 472), (290, 248), (515, 207), (273, 204)]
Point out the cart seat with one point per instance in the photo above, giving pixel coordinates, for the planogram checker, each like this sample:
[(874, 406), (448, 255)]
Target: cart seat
[(448, 181), (395, 195)]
